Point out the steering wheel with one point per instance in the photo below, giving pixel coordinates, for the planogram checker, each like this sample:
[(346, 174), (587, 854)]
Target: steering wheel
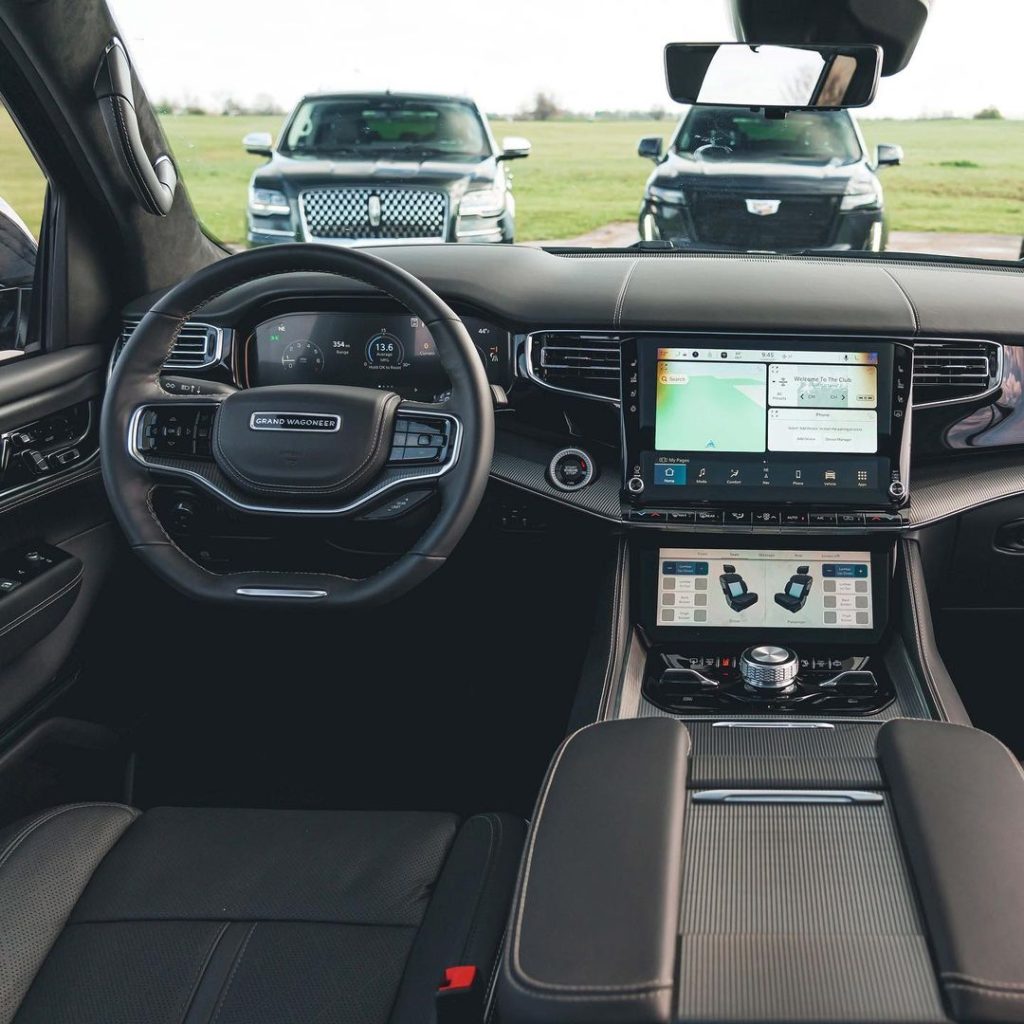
[(709, 149), (295, 450)]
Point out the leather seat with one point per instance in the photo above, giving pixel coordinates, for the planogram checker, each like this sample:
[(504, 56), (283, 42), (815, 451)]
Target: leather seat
[(110, 915)]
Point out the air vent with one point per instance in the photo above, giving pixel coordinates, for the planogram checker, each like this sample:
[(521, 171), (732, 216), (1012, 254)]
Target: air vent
[(198, 345), (955, 371), (580, 363)]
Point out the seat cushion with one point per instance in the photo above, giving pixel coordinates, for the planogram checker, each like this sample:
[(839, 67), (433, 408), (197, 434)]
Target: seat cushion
[(258, 916)]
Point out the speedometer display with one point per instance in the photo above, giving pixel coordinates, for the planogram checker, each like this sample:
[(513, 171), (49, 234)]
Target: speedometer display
[(394, 352)]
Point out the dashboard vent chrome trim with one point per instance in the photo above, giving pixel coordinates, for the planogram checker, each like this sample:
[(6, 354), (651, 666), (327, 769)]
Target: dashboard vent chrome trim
[(957, 370), (198, 345), (582, 363)]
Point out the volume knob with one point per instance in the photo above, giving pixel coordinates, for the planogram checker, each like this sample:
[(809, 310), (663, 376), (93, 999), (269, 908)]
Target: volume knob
[(767, 667)]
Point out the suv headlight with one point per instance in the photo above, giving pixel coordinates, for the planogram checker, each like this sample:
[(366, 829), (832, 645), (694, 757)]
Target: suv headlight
[(483, 202), (860, 193), (268, 201), (666, 195)]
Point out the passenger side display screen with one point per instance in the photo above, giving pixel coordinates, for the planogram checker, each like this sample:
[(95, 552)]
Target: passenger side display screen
[(773, 589)]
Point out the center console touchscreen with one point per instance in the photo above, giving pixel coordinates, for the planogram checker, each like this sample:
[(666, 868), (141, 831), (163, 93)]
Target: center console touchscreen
[(807, 421), (772, 589)]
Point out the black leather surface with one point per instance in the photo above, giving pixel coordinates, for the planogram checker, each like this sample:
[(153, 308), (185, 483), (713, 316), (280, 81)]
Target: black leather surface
[(596, 917), (959, 800), (45, 863), (327, 463), (29, 613), (264, 916)]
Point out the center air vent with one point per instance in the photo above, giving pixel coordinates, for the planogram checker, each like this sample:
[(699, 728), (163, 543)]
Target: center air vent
[(955, 371), (198, 345), (577, 362)]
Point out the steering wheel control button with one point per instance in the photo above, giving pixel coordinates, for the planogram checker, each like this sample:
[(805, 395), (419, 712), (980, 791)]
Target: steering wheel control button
[(397, 506), (768, 667), (182, 430), (571, 469), (423, 441)]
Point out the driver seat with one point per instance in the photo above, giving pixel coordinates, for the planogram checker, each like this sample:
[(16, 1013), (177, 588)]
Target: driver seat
[(181, 916)]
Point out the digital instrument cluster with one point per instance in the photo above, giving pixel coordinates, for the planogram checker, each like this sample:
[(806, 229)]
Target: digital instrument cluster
[(390, 351)]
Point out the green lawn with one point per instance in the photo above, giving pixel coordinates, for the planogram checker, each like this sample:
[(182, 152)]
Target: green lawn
[(958, 176)]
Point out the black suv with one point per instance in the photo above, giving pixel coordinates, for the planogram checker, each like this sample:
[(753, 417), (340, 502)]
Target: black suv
[(733, 179), (376, 168)]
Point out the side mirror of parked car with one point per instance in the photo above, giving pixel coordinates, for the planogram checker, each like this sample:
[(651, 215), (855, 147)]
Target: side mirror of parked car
[(17, 271), (514, 147), (888, 154), (650, 147), (258, 143)]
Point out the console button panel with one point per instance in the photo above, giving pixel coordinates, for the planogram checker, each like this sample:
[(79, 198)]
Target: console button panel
[(765, 519), (687, 680)]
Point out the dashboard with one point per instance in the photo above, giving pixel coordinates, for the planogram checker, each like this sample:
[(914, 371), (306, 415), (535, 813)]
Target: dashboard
[(768, 395), (385, 350)]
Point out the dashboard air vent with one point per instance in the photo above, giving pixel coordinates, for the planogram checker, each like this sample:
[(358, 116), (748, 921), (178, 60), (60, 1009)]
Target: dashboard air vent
[(198, 345), (577, 362), (954, 371)]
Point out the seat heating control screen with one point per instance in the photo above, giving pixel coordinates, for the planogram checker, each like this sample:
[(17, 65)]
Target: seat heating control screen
[(776, 589)]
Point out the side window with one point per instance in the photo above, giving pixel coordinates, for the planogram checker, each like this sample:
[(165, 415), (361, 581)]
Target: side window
[(22, 193)]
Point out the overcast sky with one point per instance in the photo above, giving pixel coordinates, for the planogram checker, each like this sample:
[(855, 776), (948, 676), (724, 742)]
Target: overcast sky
[(591, 54)]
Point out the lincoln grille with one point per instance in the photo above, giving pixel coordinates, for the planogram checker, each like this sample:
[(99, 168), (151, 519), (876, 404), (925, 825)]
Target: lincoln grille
[(349, 213)]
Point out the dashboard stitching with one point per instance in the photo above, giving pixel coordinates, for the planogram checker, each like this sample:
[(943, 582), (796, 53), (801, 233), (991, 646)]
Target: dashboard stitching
[(906, 296), (620, 301)]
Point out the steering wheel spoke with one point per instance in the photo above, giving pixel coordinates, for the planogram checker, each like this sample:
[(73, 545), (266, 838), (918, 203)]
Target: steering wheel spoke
[(173, 428)]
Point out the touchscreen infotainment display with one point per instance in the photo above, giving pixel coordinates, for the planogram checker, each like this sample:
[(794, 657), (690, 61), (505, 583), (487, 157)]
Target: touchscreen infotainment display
[(774, 589), (735, 420), (743, 401)]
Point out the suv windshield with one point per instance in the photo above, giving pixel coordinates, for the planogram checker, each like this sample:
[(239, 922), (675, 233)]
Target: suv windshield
[(336, 125), (813, 137), (428, 123)]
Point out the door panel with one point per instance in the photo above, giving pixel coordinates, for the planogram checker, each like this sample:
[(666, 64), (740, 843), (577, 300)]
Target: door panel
[(57, 540)]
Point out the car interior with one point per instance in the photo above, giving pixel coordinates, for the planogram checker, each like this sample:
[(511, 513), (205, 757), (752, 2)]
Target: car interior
[(361, 658)]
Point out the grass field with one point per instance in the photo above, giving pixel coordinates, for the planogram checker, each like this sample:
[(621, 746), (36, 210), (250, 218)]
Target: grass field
[(959, 175)]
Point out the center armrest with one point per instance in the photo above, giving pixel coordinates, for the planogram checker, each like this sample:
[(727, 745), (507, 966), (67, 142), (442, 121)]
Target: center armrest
[(596, 915)]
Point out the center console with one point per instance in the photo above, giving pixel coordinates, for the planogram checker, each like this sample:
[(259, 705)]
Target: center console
[(777, 459)]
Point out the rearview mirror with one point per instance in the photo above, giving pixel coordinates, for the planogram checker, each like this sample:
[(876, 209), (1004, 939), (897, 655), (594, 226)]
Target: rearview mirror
[(781, 77), (888, 154), (514, 147), (258, 143), (650, 147), (17, 271)]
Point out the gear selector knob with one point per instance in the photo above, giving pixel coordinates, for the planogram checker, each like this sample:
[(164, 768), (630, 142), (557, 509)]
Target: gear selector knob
[(767, 667)]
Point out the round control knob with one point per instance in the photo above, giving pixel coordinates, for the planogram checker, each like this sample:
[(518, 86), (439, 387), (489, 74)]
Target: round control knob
[(635, 484), (896, 490), (767, 667), (571, 469)]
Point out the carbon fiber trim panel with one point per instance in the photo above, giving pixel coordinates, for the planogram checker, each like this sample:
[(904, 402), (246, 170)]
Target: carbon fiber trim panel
[(800, 913), (523, 462)]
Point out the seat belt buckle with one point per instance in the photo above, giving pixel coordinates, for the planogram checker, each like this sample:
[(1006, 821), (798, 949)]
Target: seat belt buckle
[(459, 997)]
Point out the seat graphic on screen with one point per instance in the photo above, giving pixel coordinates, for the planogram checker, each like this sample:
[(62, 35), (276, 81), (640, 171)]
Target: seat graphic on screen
[(794, 594), (736, 594)]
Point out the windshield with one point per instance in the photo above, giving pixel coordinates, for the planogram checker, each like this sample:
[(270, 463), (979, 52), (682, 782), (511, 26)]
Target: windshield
[(812, 137), (332, 125), (430, 123)]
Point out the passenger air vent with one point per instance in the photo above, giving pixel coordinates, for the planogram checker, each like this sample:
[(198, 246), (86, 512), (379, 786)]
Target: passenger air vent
[(198, 345), (955, 371), (576, 362)]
